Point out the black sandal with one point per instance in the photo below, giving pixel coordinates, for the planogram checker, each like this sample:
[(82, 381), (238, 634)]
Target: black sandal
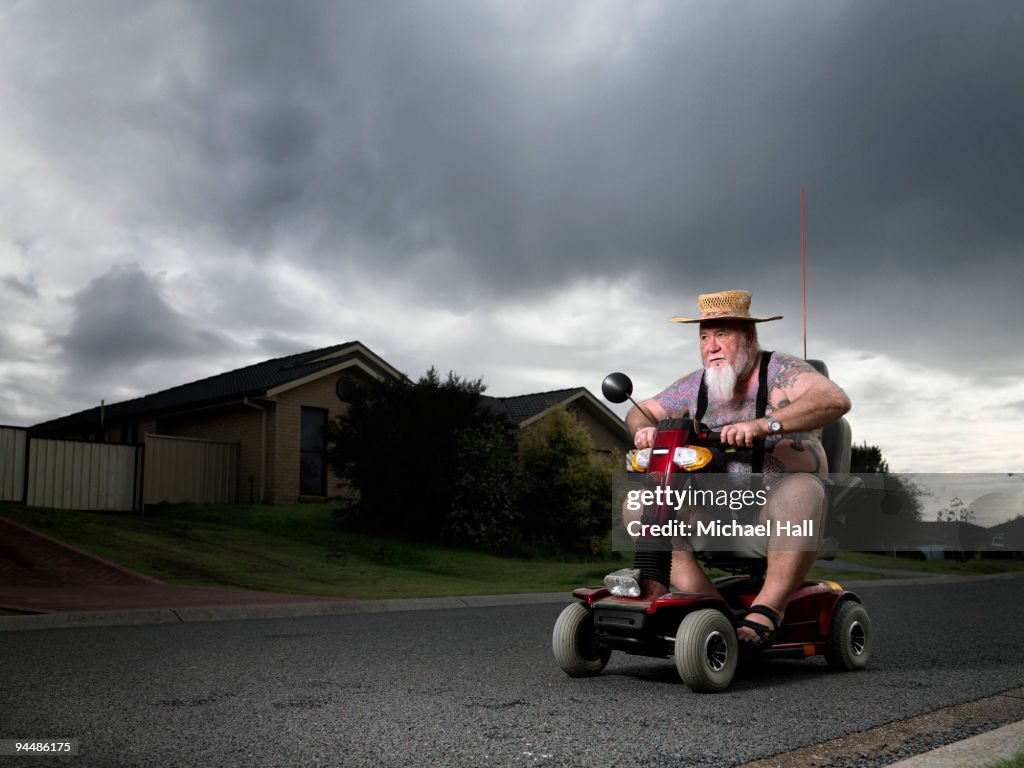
[(767, 634)]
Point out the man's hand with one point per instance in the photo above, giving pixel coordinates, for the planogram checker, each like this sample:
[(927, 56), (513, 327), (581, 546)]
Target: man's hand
[(639, 422), (644, 437), (743, 433)]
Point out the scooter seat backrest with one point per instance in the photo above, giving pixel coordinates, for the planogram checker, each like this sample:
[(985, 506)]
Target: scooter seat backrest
[(820, 367), (836, 437)]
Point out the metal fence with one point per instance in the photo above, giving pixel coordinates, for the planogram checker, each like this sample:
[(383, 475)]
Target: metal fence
[(182, 469), (13, 455), (67, 474), (71, 474)]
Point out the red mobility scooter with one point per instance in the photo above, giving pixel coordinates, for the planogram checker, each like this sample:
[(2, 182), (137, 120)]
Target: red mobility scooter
[(697, 631)]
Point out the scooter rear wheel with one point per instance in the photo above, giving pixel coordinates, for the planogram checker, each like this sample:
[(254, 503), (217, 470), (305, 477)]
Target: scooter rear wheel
[(574, 644), (706, 651)]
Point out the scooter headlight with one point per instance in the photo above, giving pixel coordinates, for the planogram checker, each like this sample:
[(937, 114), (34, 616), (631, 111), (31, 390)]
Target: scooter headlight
[(639, 460), (692, 457)]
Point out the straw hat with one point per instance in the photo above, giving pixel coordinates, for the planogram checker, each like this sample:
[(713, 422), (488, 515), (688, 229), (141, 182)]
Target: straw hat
[(727, 305)]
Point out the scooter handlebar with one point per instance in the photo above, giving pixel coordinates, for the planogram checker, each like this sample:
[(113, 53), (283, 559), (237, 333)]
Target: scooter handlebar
[(700, 435)]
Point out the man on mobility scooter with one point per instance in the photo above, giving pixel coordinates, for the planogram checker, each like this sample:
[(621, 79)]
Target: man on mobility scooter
[(769, 410)]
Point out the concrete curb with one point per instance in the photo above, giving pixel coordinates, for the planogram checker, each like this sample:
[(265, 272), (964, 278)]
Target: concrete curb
[(976, 752)]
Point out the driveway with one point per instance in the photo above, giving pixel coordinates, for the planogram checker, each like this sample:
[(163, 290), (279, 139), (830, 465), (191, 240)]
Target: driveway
[(39, 574)]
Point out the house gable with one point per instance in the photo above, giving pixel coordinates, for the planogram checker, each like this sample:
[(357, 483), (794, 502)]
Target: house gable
[(349, 365), (607, 430)]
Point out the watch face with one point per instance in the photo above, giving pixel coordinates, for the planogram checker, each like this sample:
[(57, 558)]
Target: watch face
[(774, 426)]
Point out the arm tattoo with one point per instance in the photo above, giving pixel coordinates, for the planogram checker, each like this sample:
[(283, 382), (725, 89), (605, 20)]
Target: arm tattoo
[(790, 369)]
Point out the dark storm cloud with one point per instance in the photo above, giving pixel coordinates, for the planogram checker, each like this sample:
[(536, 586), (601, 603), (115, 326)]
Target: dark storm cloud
[(420, 127), (121, 320), (485, 151)]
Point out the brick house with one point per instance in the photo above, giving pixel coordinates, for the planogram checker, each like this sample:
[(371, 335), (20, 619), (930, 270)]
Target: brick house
[(606, 429), (275, 412)]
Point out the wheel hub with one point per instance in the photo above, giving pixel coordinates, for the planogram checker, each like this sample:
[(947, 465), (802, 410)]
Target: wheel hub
[(716, 651), (858, 638)]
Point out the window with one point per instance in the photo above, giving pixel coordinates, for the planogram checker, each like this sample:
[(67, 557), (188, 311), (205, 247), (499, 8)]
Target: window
[(345, 389), (313, 453), (130, 433)]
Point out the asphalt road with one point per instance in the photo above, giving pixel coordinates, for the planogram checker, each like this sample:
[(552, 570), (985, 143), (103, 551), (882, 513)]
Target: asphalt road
[(476, 687)]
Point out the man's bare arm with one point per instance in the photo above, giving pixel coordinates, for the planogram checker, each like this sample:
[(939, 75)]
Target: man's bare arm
[(815, 404), (814, 401), (811, 401), (640, 426)]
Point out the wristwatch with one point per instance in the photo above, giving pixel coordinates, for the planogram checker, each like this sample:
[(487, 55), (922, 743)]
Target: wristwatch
[(774, 427)]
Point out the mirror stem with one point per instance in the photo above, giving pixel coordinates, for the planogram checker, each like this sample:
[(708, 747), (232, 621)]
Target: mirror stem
[(644, 411)]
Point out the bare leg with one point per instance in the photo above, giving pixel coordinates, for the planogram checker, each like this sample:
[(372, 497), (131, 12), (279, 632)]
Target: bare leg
[(790, 557), (656, 562), (689, 576)]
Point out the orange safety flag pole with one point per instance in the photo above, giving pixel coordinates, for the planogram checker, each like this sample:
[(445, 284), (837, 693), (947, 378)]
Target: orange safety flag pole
[(803, 264)]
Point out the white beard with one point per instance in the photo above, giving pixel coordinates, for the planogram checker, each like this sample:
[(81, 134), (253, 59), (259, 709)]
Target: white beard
[(721, 381)]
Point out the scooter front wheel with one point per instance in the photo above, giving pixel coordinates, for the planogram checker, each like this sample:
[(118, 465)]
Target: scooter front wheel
[(576, 649), (706, 651), (851, 637)]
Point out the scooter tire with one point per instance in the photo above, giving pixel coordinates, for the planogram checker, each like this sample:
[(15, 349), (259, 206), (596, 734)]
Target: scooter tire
[(574, 644), (706, 651), (852, 638)]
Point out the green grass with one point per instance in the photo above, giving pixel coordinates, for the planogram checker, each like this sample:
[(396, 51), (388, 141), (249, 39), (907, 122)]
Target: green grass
[(289, 549), (1013, 762)]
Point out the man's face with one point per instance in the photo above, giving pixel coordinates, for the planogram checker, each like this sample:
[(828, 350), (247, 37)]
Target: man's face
[(723, 344)]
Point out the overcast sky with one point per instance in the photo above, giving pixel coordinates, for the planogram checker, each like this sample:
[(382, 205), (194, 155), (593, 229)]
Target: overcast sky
[(519, 191)]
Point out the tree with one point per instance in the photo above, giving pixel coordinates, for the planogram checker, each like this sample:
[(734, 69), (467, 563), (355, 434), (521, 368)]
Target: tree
[(565, 487), (865, 459), (884, 515), (485, 498), (956, 512), (404, 448), (430, 463)]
